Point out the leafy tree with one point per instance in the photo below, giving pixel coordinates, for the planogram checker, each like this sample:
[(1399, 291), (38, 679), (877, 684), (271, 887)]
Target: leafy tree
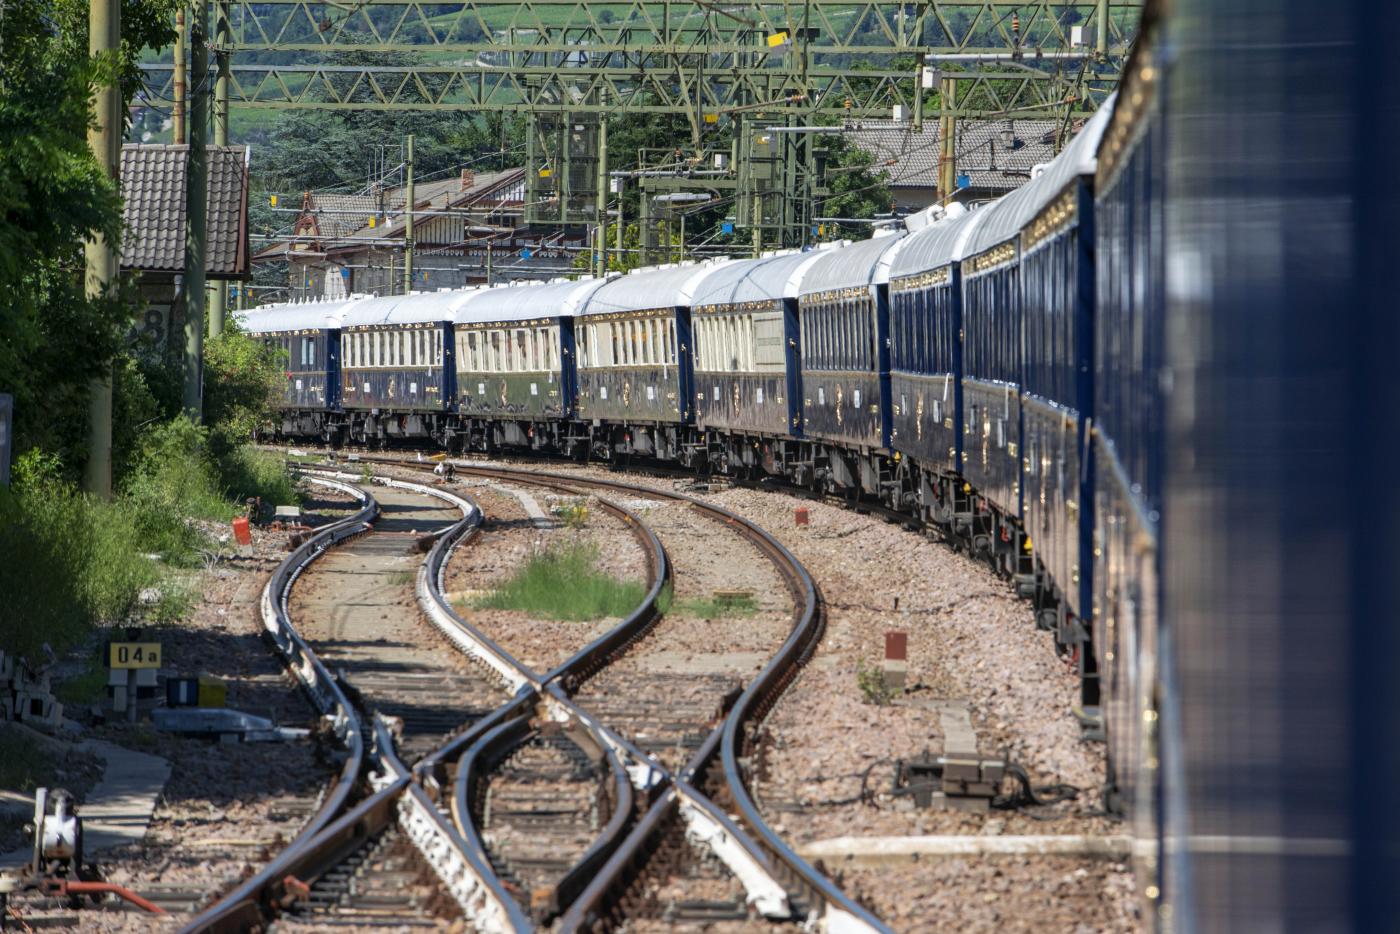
[(54, 195), (858, 188), (631, 255), (243, 381)]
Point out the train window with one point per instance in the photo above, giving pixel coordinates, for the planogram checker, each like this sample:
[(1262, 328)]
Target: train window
[(437, 347)]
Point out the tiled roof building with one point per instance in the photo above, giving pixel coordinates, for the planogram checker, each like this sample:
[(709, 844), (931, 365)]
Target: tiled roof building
[(153, 189), (992, 156), (465, 226)]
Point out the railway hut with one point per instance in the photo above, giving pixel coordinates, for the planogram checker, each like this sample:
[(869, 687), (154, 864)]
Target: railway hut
[(748, 388), (635, 377), (516, 378), (398, 372), (308, 335), (1126, 443), (844, 313), (926, 368)]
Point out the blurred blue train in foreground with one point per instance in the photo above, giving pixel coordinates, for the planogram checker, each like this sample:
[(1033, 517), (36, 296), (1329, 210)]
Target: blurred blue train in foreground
[(1152, 388)]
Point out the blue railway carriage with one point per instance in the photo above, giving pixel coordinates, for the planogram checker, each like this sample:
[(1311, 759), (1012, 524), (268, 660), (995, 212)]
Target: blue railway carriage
[(634, 362), (926, 365), (515, 351), (844, 315), (748, 389), (1057, 281), (991, 357), (398, 375), (308, 334), (1125, 442)]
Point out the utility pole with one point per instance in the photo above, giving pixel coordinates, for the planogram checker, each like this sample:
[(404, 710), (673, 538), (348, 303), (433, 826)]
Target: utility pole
[(947, 130), (600, 203), (223, 38), (408, 220), (196, 212), (1102, 48), (621, 256), (177, 111), (100, 257)]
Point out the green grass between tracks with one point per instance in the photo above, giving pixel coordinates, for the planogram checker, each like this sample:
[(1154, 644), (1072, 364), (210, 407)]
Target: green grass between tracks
[(564, 582)]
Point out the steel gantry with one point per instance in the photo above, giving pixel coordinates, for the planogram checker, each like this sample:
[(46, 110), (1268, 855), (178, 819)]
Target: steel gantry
[(730, 68)]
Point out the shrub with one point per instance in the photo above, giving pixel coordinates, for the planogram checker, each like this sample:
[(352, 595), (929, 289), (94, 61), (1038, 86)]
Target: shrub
[(245, 472), (75, 559), (563, 582), (871, 681), (175, 479), (243, 379)]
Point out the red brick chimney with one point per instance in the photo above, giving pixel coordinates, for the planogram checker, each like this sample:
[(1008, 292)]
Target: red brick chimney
[(468, 179)]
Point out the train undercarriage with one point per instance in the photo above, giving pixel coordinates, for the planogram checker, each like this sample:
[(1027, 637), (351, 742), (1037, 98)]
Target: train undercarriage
[(863, 478)]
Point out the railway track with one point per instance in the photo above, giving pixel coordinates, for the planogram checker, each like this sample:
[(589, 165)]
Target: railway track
[(682, 836), (630, 833)]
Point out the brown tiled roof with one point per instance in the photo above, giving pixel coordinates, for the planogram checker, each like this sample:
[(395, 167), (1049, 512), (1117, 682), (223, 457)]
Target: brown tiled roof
[(337, 219), (507, 185), (153, 189), (983, 152)]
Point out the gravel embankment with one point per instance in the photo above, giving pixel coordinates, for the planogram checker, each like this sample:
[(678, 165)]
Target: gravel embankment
[(972, 644), (507, 541)]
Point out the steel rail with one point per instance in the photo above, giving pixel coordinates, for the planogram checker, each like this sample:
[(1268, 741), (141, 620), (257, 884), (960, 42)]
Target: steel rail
[(332, 835), (432, 772), (245, 905), (751, 860), (754, 703)]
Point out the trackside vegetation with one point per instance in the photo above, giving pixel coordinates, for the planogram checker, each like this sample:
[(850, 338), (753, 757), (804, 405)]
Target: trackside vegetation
[(70, 561), (564, 582)]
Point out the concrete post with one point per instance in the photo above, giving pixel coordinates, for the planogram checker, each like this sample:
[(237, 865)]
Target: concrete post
[(408, 220), (600, 203), (196, 212), (177, 111), (948, 150), (1103, 30), (621, 254), (223, 38), (99, 256)]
